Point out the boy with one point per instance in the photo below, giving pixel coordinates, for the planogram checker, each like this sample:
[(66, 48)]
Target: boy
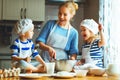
[(23, 48)]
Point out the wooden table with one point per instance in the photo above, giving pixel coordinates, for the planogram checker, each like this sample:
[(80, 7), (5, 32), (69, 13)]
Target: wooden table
[(75, 78)]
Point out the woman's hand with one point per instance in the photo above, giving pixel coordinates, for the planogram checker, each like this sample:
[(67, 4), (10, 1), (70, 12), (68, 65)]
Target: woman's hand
[(73, 57), (52, 53)]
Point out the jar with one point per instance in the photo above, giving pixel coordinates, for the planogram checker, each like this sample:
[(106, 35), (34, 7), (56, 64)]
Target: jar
[(113, 69)]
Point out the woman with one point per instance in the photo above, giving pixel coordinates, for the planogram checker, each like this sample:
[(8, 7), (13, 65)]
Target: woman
[(58, 39)]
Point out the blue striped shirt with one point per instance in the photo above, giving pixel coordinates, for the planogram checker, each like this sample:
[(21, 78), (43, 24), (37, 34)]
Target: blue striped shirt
[(96, 52), (25, 46)]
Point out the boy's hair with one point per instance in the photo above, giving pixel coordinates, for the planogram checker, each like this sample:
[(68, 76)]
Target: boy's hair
[(23, 26)]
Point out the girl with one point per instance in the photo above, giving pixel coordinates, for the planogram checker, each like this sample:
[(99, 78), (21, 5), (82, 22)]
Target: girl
[(23, 48), (92, 53)]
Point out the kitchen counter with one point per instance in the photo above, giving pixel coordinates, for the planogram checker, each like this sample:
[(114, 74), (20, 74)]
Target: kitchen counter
[(74, 78), (5, 60)]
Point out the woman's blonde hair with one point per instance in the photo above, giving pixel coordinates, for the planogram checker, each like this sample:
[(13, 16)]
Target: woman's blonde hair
[(71, 5)]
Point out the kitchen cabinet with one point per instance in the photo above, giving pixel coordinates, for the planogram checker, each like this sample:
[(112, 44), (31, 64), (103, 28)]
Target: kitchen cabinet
[(17, 9), (0, 9), (5, 64)]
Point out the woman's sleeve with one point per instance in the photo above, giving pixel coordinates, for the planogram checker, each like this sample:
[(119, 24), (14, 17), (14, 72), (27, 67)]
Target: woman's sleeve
[(74, 44), (44, 33)]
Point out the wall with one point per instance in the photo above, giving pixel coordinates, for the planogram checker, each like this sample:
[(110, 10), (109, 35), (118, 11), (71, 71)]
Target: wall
[(91, 9), (51, 12), (0, 9), (76, 21), (87, 10)]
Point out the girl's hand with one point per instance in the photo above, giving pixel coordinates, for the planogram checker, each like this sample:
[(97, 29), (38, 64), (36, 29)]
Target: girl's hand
[(78, 63), (82, 61), (100, 27), (52, 53)]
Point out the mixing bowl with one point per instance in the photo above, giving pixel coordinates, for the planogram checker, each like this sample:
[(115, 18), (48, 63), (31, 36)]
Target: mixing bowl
[(64, 65)]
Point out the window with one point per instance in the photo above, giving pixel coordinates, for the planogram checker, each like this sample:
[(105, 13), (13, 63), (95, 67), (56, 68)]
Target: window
[(110, 17)]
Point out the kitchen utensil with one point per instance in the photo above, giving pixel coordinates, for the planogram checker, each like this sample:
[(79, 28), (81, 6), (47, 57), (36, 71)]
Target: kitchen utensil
[(64, 65), (50, 67)]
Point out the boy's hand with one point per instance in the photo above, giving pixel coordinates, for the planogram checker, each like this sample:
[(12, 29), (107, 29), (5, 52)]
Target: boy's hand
[(43, 68), (28, 59)]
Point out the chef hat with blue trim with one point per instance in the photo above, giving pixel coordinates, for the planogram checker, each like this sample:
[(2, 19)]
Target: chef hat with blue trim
[(23, 26), (90, 24)]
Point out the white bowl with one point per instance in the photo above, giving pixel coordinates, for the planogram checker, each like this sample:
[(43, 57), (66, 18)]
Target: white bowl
[(81, 73), (97, 71), (64, 65), (65, 73)]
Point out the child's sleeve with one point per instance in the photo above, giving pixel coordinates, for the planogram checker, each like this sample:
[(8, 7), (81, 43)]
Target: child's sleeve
[(34, 51), (14, 49)]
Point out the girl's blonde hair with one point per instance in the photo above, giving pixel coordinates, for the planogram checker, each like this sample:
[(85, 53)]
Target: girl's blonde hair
[(92, 38), (71, 5)]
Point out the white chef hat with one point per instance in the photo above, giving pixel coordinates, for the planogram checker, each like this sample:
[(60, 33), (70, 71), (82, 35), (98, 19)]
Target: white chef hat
[(23, 26), (90, 24)]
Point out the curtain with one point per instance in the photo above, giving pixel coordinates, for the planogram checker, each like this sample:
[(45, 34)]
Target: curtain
[(109, 15)]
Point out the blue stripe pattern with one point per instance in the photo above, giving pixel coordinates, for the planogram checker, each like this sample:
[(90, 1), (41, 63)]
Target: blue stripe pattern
[(25, 47), (96, 53)]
